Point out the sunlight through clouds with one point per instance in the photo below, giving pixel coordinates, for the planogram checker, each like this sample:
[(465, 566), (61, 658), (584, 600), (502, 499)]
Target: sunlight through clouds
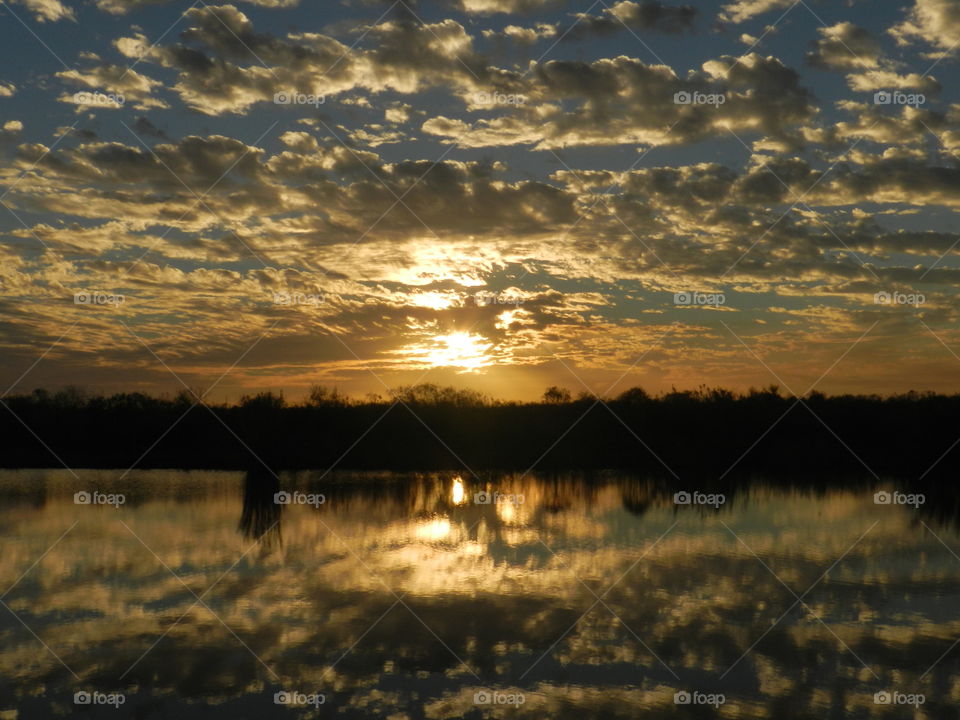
[(463, 350), (387, 164)]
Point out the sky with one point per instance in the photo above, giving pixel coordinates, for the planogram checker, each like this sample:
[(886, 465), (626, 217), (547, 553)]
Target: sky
[(495, 194)]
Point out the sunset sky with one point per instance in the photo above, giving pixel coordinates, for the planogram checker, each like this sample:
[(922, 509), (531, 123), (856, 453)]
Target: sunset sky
[(496, 194)]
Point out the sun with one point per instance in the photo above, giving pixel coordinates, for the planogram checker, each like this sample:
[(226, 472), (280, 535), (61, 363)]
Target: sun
[(464, 350), (460, 349)]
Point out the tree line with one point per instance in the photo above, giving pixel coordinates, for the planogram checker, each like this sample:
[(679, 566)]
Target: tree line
[(704, 434)]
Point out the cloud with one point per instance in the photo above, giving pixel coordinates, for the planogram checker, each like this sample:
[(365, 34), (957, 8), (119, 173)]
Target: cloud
[(122, 7), (86, 240), (193, 160), (895, 178), (935, 22), (845, 46), (308, 193), (142, 126), (907, 132), (848, 47), (645, 15), (374, 135), (124, 85), (400, 243), (890, 80), (399, 113), (625, 101), (743, 10), (624, 15), (47, 10), (310, 201), (524, 35), (225, 66), (325, 220), (490, 7), (10, 133)]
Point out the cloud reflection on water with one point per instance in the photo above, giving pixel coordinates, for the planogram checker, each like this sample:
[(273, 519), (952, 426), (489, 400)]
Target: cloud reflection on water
[(495, 585)]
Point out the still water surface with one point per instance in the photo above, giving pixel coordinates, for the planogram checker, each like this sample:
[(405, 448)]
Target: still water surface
[(411, 597)]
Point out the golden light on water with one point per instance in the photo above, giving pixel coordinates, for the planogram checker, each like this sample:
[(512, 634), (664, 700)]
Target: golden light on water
[(433, 529), (457, 495)]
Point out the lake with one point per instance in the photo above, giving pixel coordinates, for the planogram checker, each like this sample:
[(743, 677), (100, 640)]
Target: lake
[(173, 594)]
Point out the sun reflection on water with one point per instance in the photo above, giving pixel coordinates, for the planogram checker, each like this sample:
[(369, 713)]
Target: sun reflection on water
[(457, 495), (434, 529)]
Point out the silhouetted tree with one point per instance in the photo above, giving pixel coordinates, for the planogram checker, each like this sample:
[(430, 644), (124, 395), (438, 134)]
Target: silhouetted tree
[(633, 396), (430, 394), (555, 395), (70, 397), (322, 396)]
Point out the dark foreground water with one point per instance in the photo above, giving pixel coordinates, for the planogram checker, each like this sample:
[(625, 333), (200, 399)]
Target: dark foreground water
[(196, 595)]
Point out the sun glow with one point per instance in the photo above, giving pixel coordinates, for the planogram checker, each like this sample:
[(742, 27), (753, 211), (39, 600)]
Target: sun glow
[(433, 300), (457, 495), (433, 529), (458, 349)]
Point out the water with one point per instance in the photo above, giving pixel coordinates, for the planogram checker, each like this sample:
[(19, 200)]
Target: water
[(199, 597)]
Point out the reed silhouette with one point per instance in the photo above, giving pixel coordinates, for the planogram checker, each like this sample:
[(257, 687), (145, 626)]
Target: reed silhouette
[(707, 435)]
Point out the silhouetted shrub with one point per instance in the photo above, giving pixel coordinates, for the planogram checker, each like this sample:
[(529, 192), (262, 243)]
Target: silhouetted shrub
[(555, 395), (321, 396), (430, 394), (263, 401)]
